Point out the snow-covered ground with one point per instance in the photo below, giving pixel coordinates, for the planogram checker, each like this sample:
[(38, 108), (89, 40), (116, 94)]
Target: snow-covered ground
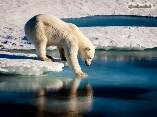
[(15, 13), (126, 38)]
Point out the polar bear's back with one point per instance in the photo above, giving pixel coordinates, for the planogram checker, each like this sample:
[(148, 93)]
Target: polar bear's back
[(45, 27), (51, 29), (45, 21), (50, 20)]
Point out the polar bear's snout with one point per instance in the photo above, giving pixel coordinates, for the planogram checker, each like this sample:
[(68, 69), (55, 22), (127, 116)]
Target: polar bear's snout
[(88, 55), (88, 62)]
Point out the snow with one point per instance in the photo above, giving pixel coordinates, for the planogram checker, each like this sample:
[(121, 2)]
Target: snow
[(15, 13), (138, 38), (25, 64)]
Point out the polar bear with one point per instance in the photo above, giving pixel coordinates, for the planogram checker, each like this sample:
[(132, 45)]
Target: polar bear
[(46, 30)]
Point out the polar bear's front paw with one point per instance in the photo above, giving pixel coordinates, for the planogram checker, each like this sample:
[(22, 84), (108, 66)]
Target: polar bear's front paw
[(48, 59), (81, 74)]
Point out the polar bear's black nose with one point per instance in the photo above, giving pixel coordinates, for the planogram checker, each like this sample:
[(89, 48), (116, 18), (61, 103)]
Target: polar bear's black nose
[(86, 63)]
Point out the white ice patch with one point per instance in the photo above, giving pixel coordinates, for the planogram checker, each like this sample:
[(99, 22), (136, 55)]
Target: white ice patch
[(26, 65)]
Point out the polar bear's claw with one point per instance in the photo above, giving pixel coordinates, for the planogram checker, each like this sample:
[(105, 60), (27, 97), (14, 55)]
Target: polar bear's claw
[(49, 57), (49, 60)]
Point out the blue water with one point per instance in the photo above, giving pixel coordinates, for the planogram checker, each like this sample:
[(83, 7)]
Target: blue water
[(120, 84), (113, 20)]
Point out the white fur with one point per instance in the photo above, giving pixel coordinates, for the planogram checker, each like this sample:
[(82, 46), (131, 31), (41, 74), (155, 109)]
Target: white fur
[(47, 30)]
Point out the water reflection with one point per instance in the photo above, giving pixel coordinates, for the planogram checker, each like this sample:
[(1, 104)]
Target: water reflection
[(55, 96), (67, 101), (28, 84)]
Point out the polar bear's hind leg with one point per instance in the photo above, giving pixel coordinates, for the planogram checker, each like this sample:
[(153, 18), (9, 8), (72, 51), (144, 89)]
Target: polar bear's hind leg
[(62, 54)]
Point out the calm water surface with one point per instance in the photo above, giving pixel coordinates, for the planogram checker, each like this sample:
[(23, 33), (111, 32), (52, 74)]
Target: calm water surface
[(114, 20), (120, 84)]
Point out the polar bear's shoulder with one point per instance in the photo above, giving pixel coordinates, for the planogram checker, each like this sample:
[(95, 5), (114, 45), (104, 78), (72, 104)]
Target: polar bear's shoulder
[(74, 29), (49, 20), (72, 26)]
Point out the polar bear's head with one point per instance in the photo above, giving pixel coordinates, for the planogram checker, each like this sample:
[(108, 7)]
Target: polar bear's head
[(88, 54)]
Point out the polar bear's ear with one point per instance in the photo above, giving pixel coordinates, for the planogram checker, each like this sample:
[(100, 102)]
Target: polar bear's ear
[(87, 48)]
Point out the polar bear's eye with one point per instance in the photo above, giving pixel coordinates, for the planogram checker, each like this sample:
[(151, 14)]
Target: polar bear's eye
[(87, 49)]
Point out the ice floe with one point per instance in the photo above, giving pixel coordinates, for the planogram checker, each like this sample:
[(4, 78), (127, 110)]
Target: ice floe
[(26, 64)]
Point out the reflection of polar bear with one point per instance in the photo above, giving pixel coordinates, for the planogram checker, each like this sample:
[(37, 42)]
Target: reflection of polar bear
[(47, 30), (69, 101)]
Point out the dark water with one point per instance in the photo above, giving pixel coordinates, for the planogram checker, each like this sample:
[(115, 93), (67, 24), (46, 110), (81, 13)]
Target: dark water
[(113, 20), (120, 84)]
